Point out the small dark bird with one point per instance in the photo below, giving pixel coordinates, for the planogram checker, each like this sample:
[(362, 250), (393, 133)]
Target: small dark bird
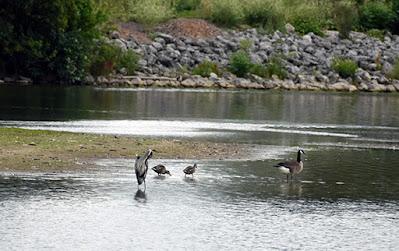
[(160, 169), (190, 170), (291, 167), (141, 166)]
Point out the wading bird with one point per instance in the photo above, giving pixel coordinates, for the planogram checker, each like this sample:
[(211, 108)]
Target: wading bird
[(190, 170), (291, 167), (160, 169), (141, 166)]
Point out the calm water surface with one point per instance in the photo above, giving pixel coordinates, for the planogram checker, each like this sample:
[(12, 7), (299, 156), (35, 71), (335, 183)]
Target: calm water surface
[(347, 196)]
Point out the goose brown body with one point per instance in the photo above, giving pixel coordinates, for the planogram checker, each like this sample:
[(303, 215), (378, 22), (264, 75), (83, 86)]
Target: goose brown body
[(291, 167)]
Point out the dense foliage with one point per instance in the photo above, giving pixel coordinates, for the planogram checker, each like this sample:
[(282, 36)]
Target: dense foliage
[(49, 39), (107, 57), (344, 67), (205, 68), (394, 73)]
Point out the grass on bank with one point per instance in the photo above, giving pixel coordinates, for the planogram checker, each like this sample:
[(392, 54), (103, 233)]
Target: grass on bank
[(51, 151), (267, 15)]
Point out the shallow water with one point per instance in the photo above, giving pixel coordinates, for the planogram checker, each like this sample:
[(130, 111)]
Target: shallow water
[(347, 196)]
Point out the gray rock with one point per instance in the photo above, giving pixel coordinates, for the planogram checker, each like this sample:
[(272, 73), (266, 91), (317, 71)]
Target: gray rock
[(168, 38), (165, 60), (158, 46), (115, 35), (289, 28)]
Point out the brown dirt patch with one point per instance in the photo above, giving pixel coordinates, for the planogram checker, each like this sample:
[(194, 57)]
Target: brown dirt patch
[(128, 29), (187, 27), (191, 28)]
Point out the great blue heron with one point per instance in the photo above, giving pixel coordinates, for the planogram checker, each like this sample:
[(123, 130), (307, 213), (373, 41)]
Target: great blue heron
[(190, 170), (291, 167), (141, 166), (160, 169)]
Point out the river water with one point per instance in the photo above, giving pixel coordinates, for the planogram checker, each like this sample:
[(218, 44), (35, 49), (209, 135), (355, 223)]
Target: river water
[(346, 197)]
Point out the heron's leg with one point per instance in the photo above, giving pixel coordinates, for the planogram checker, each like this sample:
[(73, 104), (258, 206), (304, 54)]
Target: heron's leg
[(287, 177)]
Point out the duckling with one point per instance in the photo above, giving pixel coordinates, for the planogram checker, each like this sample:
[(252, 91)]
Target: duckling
[(190, 170), (160, 169)]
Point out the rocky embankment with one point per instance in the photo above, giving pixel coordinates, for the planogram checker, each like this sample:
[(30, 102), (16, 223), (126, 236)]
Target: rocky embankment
[(306, 59)]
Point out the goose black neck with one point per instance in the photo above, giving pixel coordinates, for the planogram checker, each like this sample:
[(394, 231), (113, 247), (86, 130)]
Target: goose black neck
[(298, 157)]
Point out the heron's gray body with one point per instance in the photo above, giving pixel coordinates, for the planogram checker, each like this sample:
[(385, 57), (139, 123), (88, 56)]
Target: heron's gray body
[(141, 166)]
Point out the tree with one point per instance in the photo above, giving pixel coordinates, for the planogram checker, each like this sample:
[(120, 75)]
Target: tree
[(47, 38)]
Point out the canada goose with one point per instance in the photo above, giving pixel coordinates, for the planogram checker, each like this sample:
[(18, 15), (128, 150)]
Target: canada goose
[(141, 166), (291, 167), (160, 169), (190, 170)]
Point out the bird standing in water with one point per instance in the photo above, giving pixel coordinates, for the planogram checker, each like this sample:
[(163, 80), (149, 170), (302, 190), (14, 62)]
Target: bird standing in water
[(190, 170), (141, 166), (291, 167), (161, 169)]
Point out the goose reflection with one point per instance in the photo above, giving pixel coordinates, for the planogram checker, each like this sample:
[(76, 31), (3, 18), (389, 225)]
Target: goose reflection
[(140, 196), (291, 189)]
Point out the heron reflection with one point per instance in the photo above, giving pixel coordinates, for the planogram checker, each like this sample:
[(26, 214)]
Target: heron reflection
[(140, 196)]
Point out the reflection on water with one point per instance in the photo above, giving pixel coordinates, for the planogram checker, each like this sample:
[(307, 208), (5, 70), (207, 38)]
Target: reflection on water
[(140, 196), (248, 205), (291, 189), (57, 103), (346, 197)]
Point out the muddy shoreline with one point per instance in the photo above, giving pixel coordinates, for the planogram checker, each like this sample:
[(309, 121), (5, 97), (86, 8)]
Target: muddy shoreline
[(50, 151)]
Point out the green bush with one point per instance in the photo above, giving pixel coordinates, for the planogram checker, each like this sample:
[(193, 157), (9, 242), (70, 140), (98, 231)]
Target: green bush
[(246, 45), (306, 24), (240, 64), (186, 5), (395, 9), (258, 13), (108, 57), (226, 12), (103, 61), (276, 67), (205, 68), (345, 17), (149, 13), (43, 38), (394, 73), (344, 67), (376, 15), (129, 61), (259, 70)]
